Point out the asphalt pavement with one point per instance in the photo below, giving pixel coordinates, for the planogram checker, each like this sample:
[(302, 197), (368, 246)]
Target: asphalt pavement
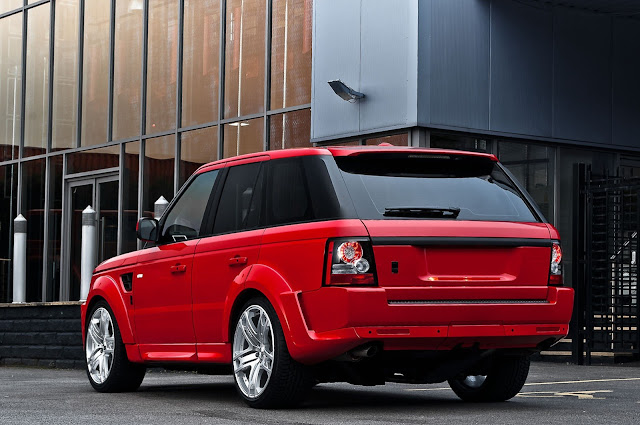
[(554, 393)]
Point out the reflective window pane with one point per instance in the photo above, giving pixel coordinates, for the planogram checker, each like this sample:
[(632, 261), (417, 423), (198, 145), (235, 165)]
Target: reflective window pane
[(33, 173), (197, 147), (290, 130), (243, 137), (55, 228), (130, 196), (532, 165), (95, 71), (401, 139), (7, 5), (127, 65), (200, 62), (345, 143), (8, 199), (36, 96), (93, 159), (244, 57), (159, 160), (291, 53), (458, 142), (65, 76), (162, 69), (10, 85)]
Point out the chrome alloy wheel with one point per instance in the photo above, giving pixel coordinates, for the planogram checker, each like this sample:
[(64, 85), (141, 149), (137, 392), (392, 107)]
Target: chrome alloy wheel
[(474, 381), (253, 351), (100, 345)]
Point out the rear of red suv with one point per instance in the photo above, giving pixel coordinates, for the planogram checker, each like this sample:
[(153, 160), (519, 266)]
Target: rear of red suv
[(449, 273)]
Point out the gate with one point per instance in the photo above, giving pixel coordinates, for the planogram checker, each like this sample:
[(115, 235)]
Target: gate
[(606, 224)]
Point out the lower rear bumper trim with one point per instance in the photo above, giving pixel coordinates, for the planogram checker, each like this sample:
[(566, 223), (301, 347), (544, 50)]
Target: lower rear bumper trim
[(397, 302)]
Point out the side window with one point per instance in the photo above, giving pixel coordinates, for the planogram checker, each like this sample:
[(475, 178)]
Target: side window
[(287, 196), (240, 201), (299, 190), (184, 220)]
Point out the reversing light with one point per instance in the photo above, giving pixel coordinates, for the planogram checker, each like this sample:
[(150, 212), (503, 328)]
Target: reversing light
[(350, 262), (555, 270)]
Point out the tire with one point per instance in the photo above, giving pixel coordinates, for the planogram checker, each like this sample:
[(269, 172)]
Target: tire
[(503, 381), (108, 368), (264, 373)]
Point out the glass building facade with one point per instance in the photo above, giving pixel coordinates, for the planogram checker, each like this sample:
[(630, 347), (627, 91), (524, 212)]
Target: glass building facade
[(115, 103)]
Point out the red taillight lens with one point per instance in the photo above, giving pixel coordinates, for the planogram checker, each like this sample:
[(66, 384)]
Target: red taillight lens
[(350, 262), (555, 270), (350, 252)]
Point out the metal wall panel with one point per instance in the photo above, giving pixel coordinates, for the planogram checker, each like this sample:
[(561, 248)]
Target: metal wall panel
[(336, 55), (626, 82), (424, 62), (388, 64), (521, 68), (582, 76), (459, 65)]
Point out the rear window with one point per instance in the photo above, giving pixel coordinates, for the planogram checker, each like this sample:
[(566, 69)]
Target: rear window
[(429, 186)]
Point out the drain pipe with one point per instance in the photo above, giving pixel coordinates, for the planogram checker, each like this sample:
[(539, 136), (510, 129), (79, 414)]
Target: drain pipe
[(88, 250), (19, 259)]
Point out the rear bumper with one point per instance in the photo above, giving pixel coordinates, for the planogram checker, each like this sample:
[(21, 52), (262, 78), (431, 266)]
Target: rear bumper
[(330, 321)]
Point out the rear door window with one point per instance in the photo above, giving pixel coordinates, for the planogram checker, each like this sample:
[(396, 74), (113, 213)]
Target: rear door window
[(430, 186), (240, 202)]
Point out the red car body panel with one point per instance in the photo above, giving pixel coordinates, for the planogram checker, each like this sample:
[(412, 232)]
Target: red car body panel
[(441, 296), (221, 263)]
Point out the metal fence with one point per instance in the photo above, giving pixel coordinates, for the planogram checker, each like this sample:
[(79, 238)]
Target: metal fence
[(606, 224)]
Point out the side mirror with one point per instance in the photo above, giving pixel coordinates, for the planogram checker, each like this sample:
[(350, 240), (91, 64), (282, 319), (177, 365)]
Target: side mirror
[(147, 229)]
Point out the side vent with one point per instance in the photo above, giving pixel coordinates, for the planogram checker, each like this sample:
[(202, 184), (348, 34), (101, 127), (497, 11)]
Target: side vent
[(127, 281)]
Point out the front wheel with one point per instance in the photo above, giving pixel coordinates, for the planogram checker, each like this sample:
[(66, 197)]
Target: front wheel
[(108, 368), (504, 379), (265, 374)]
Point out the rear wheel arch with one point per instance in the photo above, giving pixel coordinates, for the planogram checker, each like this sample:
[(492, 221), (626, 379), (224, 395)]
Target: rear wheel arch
[(236, 309), (262, 281)]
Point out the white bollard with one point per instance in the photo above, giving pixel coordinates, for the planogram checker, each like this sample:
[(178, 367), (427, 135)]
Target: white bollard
[(159, 207), (88, 250), (19, 259)]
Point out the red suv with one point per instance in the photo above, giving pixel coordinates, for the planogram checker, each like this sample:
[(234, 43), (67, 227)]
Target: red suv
[(365, 265)]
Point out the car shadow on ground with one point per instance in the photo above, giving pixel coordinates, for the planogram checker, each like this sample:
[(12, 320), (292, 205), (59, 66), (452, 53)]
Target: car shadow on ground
[(328, 397)]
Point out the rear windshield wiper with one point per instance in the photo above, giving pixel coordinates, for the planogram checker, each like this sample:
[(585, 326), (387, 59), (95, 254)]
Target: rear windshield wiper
[(429, 212)]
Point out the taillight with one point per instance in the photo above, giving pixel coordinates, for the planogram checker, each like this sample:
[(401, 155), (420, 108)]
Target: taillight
[(555, 271), (350, 262)]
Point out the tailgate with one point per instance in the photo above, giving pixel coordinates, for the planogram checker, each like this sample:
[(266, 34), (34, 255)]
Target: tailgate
[(460, 254)]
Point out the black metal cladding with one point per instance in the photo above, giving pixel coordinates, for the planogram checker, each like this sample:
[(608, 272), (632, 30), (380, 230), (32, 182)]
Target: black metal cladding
[(607, 314)]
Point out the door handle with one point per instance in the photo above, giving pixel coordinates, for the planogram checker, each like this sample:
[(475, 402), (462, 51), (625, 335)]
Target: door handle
[(178, 268), (237, 261)]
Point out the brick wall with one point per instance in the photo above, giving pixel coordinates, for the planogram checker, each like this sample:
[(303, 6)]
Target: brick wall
[(47, 335)]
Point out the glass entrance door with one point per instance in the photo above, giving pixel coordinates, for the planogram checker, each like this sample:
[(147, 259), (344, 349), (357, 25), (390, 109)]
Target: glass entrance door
[(101, 193)]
